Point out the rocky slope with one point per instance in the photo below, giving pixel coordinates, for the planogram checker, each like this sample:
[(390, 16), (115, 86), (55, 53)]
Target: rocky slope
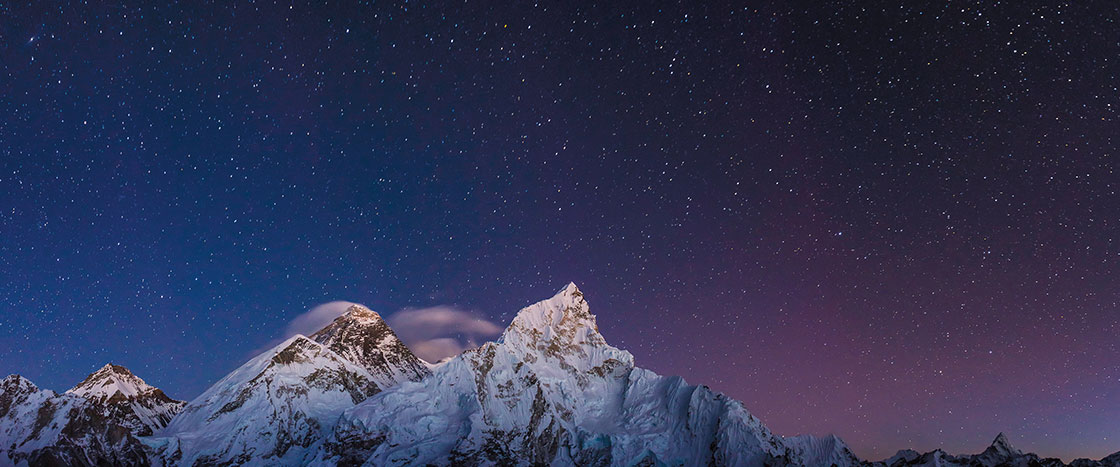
[(95, 423), (268, 411), (552, 391)]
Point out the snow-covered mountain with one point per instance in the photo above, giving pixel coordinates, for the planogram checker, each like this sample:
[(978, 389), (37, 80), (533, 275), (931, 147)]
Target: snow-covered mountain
[(269, 410), (552, 391), (272, 408), (1000, 454), (549, 391), (95, 423), (130, 401)]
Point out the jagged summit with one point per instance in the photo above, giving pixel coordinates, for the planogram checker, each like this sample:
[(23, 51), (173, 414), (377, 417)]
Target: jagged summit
[(566, 309), (362, 337), (111, 381), (565, 314), (563, 330), (1000, 451), (131, 402), (360, 312), (1002, 445), (13, 382)]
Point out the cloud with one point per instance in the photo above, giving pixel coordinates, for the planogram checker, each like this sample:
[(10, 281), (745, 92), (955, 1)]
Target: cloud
[(316, 318), (439, 332), (433, 333), (308, 322)]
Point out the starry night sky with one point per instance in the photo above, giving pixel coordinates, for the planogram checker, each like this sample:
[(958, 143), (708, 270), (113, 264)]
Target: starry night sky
[(896, 224)]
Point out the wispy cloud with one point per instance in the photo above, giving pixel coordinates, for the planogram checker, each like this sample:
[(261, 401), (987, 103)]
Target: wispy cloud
[(433, 333), (308, 322), (316, 318), (439, 332)]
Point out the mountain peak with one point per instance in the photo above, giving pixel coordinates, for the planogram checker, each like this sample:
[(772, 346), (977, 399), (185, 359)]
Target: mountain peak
[(361, 336), (115, 369), (1001, 450), (562, 328), (360, 312), (1003, 445), (268, 410), (127, 399), (17, 383), (564, 313), (1001, 441), (111, 382)]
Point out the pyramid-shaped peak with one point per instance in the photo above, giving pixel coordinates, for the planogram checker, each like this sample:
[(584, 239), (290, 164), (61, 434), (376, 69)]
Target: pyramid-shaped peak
[(562, 329), (1001, 448), (361, 336), (109, 381), (357, 322), (15, 383), (1002, 441), (114, 369), (360, 312)]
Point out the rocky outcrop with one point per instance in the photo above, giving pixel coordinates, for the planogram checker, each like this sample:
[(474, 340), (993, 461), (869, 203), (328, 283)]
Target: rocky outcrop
[(362, 337)]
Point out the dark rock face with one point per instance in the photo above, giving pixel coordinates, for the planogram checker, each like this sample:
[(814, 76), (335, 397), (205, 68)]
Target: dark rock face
[(89, 438), (362, 337)]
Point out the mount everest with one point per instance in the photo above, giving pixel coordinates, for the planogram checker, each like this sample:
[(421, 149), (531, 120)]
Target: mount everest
[(549, 391)]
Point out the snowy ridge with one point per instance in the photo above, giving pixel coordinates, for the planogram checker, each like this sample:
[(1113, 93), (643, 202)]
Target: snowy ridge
[(824, 451), (269, 410)]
